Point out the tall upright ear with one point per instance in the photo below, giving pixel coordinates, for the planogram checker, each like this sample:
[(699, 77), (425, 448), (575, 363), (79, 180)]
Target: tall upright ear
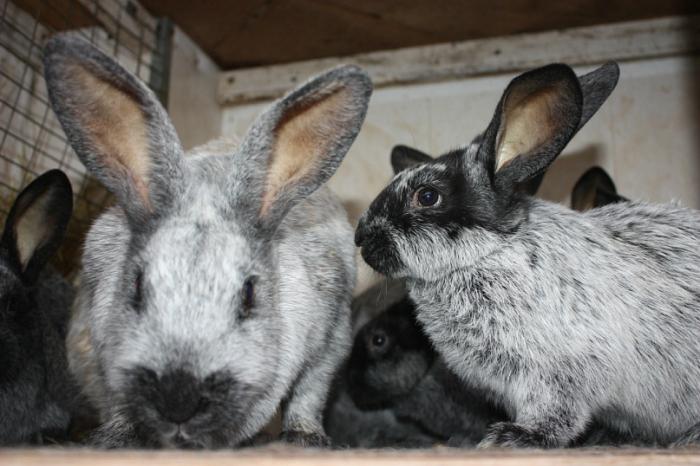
[(595, 188), (403, 157), (116, 126), (37, 221), (536, 117), (297, 144), (596, 87)]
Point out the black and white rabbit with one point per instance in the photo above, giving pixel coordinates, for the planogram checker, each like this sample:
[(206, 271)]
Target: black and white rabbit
[(37, 394), (566, 317)]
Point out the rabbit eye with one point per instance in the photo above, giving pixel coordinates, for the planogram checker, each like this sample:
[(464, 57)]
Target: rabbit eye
[(378, 341), (426, 197), (137, 298), (248, 296)]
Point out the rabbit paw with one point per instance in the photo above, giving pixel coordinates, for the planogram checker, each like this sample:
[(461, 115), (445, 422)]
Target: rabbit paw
[(512, 435), (306, 439)]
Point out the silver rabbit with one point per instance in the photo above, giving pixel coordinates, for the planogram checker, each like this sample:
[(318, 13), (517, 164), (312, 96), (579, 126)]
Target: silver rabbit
[(567, 318), (219, 287)]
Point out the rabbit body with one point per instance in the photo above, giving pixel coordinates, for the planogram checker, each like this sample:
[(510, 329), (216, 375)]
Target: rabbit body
[(616, 331), (568, 318), (37, 393)]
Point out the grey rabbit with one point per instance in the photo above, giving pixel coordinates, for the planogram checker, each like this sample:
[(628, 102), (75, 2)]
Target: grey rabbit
[(37, 393), (567, 318), (594, 189), (219, 286)]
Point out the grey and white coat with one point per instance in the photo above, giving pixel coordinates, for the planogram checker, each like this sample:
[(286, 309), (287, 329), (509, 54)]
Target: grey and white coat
[(219, 285), (566, 317)]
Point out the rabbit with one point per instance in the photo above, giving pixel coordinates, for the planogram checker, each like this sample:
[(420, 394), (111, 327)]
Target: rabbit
[(393, 366), (593, 189), (37, 393), (219, 286), (351, 427), (566, 318)]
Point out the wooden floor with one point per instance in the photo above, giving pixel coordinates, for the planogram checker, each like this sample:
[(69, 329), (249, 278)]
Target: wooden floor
[(279, 455)]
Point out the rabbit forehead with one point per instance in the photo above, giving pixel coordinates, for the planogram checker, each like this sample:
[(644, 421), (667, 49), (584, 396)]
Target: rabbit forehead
[(200, 255)]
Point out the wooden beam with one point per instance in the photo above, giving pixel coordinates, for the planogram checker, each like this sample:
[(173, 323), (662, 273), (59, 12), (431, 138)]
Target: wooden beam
[(284, 455), (577, 46), (59, 15)]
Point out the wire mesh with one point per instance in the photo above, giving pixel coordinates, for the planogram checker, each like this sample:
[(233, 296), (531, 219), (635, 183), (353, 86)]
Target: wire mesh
[(31, 139)]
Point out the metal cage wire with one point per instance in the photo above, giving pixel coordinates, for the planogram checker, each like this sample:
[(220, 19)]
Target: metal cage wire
[(31, 138)]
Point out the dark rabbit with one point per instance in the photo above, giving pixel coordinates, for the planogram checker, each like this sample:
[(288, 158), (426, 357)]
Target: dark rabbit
[(219, 287), (393, 366), (565, 317), (593, 189), (37, 395)]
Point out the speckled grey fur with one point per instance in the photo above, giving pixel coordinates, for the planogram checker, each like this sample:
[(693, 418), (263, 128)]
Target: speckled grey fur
[(566, 317), (192, 252)]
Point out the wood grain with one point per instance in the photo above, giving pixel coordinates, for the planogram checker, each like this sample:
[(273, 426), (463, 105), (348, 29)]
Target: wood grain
[(457, 60), (245, 33), (283, 455)]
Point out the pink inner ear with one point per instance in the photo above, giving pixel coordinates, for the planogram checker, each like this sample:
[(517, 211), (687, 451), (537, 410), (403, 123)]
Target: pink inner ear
[(33, 227), (116, 128), (303, 138), (527, 123)]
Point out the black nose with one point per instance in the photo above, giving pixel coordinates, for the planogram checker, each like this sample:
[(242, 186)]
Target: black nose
[(178, 397), (360, 234)]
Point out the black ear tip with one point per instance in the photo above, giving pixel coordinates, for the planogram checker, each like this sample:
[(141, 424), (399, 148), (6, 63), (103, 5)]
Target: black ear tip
[(595, 177), (61, 190)]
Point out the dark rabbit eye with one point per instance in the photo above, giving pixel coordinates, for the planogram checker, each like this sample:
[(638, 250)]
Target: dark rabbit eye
[(248, 293), (378, 340), (137, 297), (427, 197)]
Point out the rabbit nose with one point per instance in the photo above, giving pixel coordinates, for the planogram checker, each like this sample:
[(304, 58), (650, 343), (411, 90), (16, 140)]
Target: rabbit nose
[(178, 398), (360, 234)]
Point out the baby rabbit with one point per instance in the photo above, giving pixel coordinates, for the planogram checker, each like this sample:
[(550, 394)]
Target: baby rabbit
[(220, 284), (595, 188), (37, 394), (566, 317), (394, 366)]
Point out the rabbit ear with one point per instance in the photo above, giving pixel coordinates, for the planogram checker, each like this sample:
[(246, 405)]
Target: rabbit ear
[(596, 87), (536, 117), (299, 142), (595, 188), (531, 186), (115, 125), (36, 223), (403, 157)]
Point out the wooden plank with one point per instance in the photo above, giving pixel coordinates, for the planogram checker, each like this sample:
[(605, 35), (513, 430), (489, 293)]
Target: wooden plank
[(272, 456), (247, 33), (59, 15), (578, 46)]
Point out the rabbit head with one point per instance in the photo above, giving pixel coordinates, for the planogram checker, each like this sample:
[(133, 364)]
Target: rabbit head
[(595, 188), (33, 232), (390, 356), (462, 202), (185, 275)]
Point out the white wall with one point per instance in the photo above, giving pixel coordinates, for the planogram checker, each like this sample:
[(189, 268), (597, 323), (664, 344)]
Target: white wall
[(192, 99), (646, 136)]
